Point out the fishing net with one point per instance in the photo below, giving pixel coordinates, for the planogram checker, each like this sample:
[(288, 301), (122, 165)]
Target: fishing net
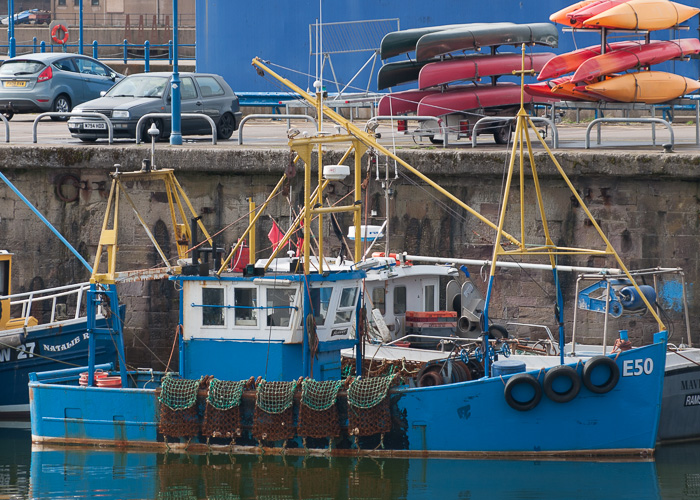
[(402, 368), (318, 413), (222, 415), (179, 415), (274, 415), (368, 406)]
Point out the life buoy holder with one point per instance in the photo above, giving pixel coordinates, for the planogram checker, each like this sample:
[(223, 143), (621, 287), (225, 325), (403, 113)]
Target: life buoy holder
[(551, 385), (598, 363), (523, 379), (54, 34)]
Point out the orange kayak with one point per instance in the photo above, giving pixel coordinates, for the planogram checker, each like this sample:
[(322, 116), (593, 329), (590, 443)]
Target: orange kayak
[(643, 15), (561, 16), (650, 87), (644, 54), (585, 13)]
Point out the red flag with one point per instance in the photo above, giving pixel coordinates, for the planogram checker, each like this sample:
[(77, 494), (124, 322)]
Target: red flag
[(275, 235)]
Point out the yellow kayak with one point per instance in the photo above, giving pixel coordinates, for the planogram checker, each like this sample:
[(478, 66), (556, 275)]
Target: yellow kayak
[(650, 87), (643, 15)]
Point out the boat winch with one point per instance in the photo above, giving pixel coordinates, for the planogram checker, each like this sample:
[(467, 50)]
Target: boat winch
[(620, 295)]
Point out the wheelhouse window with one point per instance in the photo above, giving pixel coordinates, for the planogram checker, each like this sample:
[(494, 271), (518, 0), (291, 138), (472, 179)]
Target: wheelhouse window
[(429, 294), (246, 302), (400, 300), (279, 302), (379, 299), (346, 307), (213, 306), (320, 301)]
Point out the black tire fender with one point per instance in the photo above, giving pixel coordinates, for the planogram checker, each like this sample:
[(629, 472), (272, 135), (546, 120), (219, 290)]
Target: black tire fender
[(598, 362), (498, 332), (515, 381), (558, 372)]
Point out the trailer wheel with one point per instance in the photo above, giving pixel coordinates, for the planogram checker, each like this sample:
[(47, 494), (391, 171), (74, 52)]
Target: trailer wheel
[(502, 134), (433, 140)]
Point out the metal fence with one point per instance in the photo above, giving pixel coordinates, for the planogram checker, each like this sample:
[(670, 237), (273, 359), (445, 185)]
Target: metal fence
[(126, 51), (110, 20)]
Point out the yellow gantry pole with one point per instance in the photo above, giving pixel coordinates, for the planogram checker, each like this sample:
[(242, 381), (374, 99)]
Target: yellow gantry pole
[(251, 235)]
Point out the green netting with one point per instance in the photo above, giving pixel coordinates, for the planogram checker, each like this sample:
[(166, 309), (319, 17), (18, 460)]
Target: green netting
[(224, 395), (319, 395), (178, 393), (368, 392), (275, 397)]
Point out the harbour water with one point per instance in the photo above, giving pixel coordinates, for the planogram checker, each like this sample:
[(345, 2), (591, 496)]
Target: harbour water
[(78, 473)]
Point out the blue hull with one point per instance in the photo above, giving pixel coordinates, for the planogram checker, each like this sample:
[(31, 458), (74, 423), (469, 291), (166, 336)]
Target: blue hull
[(460, 420), (44, 349)]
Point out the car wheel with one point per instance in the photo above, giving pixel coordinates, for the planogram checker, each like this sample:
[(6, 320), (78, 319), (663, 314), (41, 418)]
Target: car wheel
[(502, 134), (8, 114), (61, 104), (226, 126), (147, 124)]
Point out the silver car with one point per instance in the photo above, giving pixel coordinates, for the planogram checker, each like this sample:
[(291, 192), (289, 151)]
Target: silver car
[(136, 95), (35, 83)]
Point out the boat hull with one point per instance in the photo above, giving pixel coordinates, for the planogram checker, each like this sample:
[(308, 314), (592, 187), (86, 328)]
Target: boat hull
[(397, 73), (649, 87), (620, 60), (478, 66), (44, 348), (680, 409), (642, 15), (566, 63), (400, 103), (428, 421), (469, 99), (444, 42)]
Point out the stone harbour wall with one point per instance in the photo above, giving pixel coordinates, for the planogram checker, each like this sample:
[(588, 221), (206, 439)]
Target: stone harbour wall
[(648, 205)]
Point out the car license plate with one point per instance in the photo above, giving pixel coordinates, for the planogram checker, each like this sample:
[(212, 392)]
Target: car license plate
[(92, 126), (15, 84)]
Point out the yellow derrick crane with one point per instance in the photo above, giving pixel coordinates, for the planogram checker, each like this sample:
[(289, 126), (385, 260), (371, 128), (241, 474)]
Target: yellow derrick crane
[(178, 203)]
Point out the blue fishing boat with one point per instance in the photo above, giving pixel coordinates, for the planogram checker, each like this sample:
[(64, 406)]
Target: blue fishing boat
[(41, 330), (260, 365)]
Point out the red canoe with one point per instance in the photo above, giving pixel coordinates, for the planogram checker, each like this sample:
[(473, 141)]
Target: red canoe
[(471, 98), (566, 63), (400, 103), (478, 66), (633, 57)]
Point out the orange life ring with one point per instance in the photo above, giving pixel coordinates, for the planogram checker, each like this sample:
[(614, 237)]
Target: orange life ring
[(55, 38)]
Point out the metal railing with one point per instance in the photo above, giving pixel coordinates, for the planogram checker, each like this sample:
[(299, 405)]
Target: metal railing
[(547, 121), (110, 128), (125, 51), (28, 299), (652, 121), (168, 115), (276, 116)]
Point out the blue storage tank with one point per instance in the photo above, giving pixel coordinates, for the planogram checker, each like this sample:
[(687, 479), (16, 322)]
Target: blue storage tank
[(507, 367), (230, 34)]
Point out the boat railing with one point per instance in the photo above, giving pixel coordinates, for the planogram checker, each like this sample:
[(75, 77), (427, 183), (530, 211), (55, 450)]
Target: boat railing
[(27, 300)]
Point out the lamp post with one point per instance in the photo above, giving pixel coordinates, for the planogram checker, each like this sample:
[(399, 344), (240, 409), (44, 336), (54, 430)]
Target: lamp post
[(80, 27), (11, 28), (175, 130)]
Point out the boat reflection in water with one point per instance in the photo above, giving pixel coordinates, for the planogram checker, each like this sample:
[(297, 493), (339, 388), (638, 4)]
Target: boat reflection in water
[(80, 473)]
